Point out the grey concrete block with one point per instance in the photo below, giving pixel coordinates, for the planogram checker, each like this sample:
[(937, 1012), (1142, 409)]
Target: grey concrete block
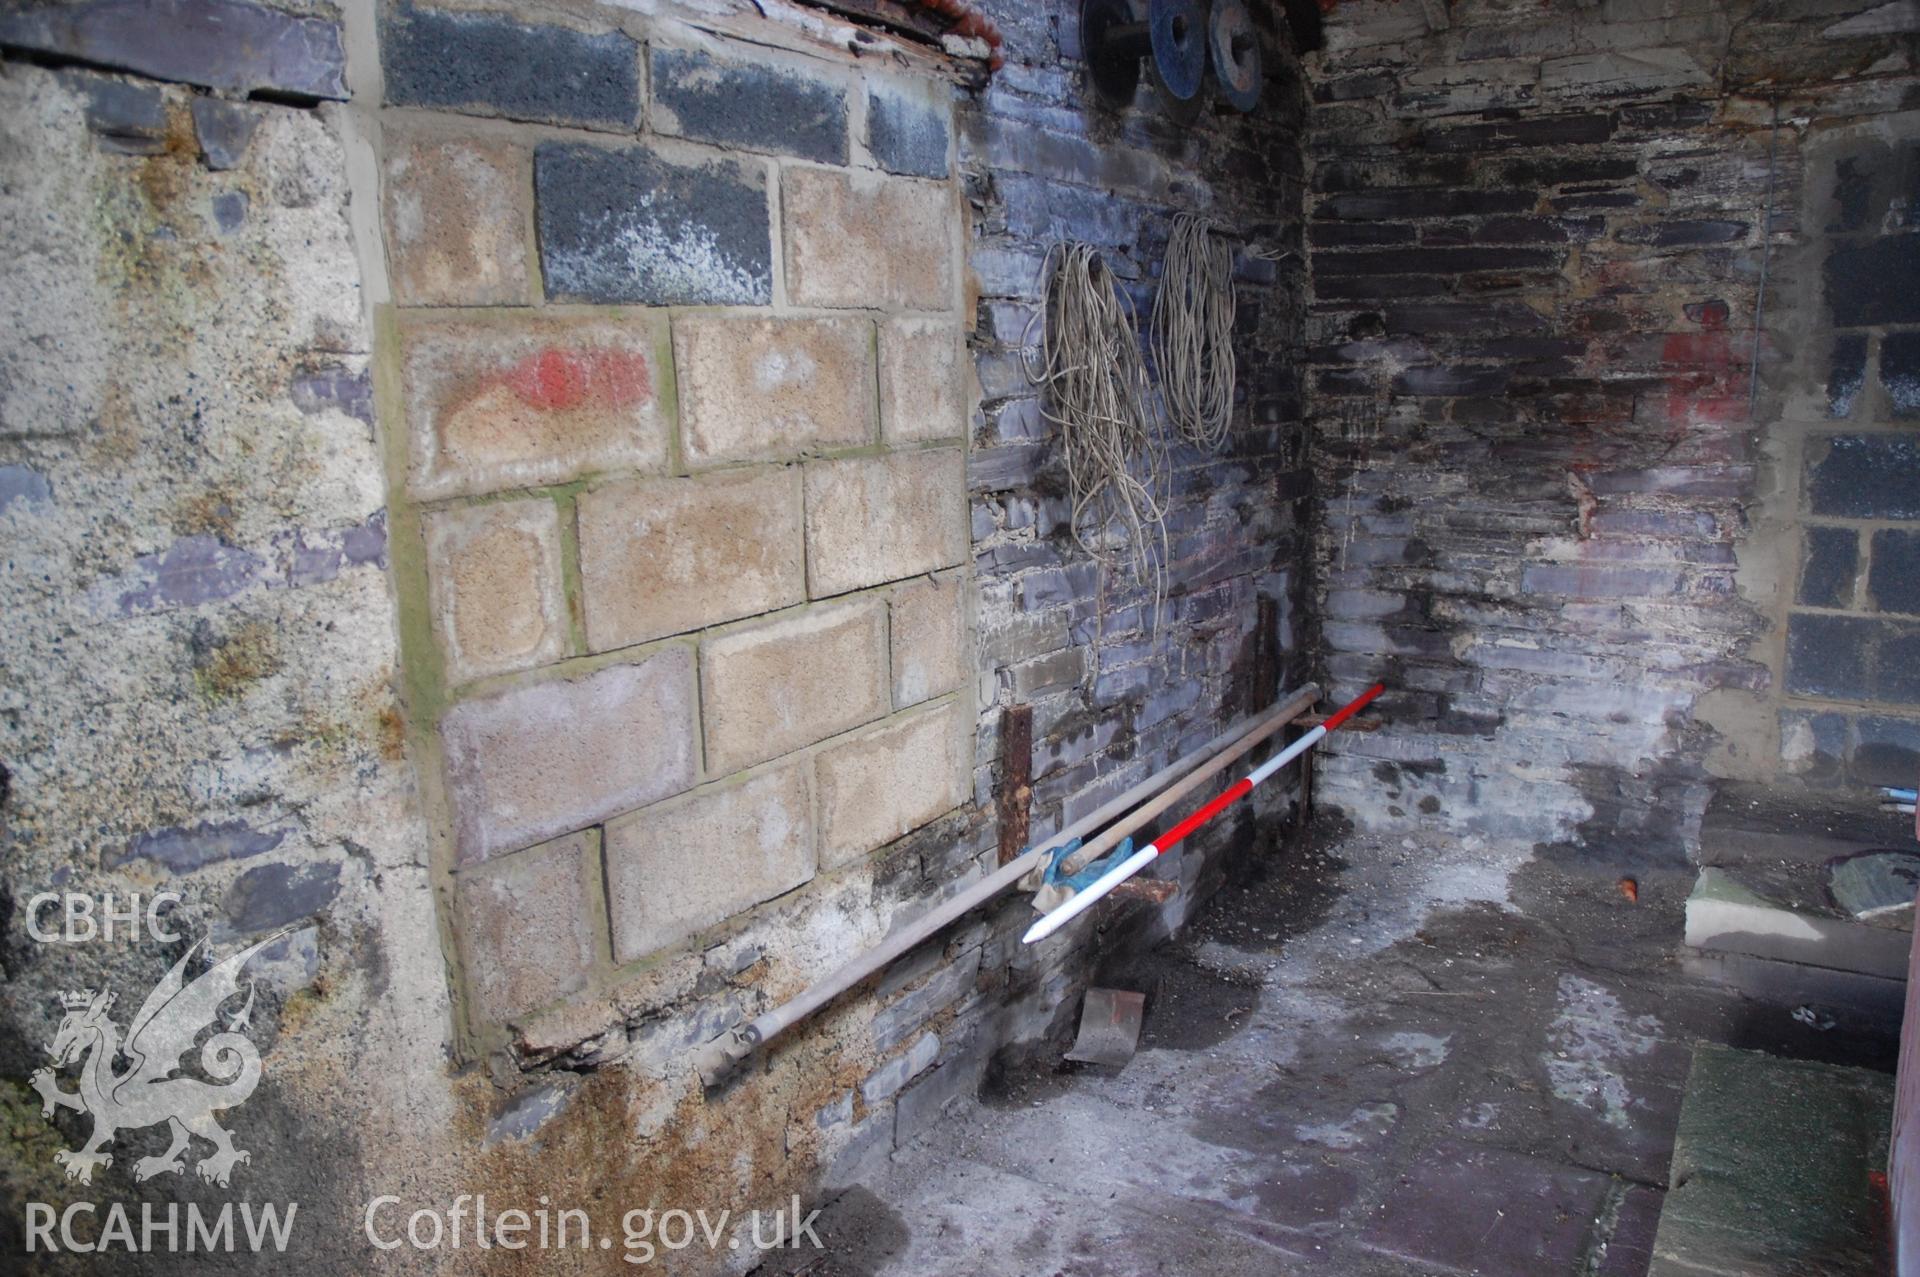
[(1826, 655), (906, 134), (1873, 281), (1828, 570), (1846, 374), (1900, 373), (749, 105), (1886, 751), (492, 65), (1896, 675), (1813, 747), (1865, 476), (629, 226), (1893, 580)]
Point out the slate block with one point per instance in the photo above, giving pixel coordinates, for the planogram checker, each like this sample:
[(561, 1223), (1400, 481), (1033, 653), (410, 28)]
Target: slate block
[(1439, 261), (219, 44), (223, 130), (1388, 205), (273, 895), (1546, 130), (129, 118), (1683, 234), (1452, 381), (1771, 1166), (1462, 1208)]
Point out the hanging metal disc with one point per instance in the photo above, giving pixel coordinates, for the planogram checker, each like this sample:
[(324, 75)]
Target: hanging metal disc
[(1179, 47), (1236, 53)]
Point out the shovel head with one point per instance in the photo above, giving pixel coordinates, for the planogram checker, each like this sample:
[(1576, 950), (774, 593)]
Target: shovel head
[(1109, 1027)]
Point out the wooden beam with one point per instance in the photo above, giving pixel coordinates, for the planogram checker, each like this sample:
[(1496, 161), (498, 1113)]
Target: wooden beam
[(1016, 780), (893, 14)]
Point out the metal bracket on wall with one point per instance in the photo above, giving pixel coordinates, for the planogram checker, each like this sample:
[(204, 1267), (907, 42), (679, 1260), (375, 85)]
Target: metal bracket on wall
[(1015, 800)]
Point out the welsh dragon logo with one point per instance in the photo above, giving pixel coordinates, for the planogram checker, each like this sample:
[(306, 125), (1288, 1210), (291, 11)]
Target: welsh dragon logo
[(151, 1091)]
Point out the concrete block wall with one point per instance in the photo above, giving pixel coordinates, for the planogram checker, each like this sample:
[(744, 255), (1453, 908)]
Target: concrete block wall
[(820, 396), (1561, 506), (728, 574), (677, 371), (1850, 711)]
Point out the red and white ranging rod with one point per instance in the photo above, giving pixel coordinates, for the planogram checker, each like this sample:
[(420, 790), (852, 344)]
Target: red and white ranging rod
[(1085, 900)]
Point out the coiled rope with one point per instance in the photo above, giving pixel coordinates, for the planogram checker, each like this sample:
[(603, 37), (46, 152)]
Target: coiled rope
[(1193, 331), (1089, 362)]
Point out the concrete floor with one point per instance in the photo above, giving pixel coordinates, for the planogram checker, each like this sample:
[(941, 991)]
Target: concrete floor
[(1374, 1057)]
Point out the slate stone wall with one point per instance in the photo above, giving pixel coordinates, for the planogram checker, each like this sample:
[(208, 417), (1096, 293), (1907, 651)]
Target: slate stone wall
[(1561, 511), (1118, 692)]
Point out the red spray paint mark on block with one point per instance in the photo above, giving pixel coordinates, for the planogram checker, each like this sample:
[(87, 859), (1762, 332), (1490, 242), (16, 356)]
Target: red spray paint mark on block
[(556, 380)]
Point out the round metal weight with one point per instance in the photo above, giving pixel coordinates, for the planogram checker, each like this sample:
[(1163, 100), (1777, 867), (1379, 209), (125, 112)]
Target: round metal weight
[(1179, 47), (1236, 53)]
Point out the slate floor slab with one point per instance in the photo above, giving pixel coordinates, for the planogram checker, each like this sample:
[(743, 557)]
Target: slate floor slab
[(1334, 1081)]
